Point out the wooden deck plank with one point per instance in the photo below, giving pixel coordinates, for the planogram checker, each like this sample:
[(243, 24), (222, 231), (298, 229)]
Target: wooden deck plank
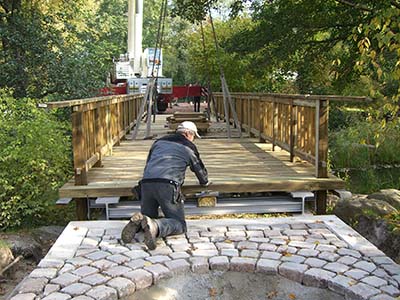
[(234, 165)]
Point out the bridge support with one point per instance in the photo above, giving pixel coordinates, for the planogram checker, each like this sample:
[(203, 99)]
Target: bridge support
[(321, 202), (81, 209)]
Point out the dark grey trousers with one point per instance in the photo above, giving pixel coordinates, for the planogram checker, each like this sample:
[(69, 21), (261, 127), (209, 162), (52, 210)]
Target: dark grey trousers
[(166, 196)]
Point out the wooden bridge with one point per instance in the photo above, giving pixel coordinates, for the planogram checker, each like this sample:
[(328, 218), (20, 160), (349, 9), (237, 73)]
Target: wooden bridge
[(284, 147)]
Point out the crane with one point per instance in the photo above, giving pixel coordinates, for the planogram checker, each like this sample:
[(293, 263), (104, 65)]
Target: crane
[(136, 67)]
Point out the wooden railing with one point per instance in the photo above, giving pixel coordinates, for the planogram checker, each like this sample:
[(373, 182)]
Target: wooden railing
[(97, 125), (296, 123)]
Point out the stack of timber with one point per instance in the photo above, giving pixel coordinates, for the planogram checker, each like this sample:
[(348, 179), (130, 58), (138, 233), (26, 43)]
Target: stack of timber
[(199, 118)]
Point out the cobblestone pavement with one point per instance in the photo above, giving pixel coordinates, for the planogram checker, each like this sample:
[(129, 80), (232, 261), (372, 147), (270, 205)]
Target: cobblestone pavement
[(88, 261)]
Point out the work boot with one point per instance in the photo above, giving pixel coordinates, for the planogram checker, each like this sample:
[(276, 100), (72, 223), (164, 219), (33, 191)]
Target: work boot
[(150, 229), (130, 229)]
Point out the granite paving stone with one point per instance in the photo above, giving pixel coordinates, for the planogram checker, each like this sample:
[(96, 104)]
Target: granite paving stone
[(271, 255), (103, 264), (140, 277), (250, 253), (362, 291), (136, 264), (33, 285), (302, 244), (199, 264), (51, 263), (382, 297), (82, 297), (157, 259), (328, 248), (219, 263), (85, 271), (123, 286), (272, 233), (76, 289), (267, 266), (308, 252), (366, 266), (293, 258), (44, 273), (242, 264), (374, 281), (292, 271), (178, 255), (390, 290), (247, 245), (229, 252), (267, 247), (380, 260), (356, 273), (51, 288), (79, 261), (254, 233), (159, 272), (116, 271), (205, 253), (336, 267), (65, 279), (118, 258), (225, 246), (102, 292), (259, 239), (57, 296), (165, 250), (317, 277), (27, 296), (97, 255), (95, 279), (339, 284), (286, 249), (345, 251), (315, 262), (177, 266), (392, 269), (347, 260), (328, 256), (136, 254)]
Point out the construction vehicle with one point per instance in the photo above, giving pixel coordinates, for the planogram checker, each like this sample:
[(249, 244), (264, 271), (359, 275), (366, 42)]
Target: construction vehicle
[(133, 70)]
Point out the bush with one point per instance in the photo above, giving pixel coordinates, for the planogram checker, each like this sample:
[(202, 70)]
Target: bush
[(365, 144), (35, 160)]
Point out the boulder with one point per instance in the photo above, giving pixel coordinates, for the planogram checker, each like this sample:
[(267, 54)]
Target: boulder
[(6, 256), (26, 246), (391, 196), (350, 210)]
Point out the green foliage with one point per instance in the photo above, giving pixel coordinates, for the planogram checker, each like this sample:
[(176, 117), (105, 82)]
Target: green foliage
[(365, 144), (34, 161)]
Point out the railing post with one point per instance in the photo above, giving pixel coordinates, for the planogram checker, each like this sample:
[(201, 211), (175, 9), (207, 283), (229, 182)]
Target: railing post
[(99, 136), (108, 129), (249, 116), (261, 121), (321, 149), (291, 130), (79, 150), (274, 124)]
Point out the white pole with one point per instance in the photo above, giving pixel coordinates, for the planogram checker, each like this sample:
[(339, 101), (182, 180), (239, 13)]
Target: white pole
[(131, 28), (138, 36)]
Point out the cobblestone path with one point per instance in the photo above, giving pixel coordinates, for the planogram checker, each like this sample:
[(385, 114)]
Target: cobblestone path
[(88, 262)]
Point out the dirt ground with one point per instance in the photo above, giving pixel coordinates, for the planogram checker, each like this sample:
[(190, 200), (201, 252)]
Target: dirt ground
[(23, 267)]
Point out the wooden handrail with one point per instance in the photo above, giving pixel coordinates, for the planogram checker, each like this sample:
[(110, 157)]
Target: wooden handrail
[(97, 125), (296, 123)]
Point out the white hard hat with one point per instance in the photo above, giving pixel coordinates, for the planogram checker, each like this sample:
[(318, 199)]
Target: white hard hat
[(189, 126)]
